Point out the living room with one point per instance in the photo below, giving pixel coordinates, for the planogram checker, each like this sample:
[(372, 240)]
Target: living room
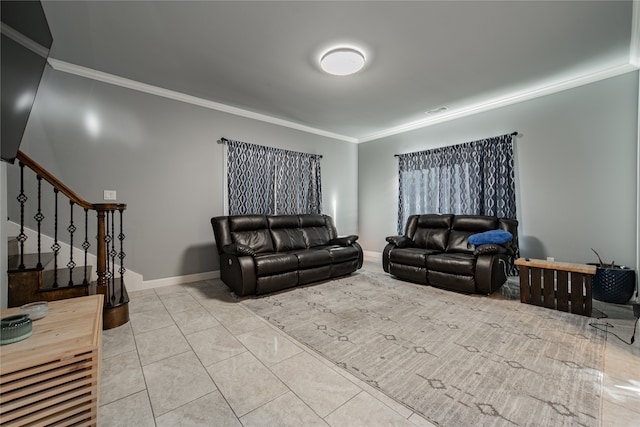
[(576, 152)]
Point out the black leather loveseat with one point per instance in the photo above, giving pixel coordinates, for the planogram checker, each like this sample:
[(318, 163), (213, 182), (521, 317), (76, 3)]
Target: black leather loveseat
[(435, 251), (261, 254)]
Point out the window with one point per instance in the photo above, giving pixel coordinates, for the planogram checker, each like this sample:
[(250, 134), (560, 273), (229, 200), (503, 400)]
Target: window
[(267, 181), (476, 178)]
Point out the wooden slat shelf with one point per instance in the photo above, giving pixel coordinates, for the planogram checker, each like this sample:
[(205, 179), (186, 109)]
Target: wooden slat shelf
[(53, 376)]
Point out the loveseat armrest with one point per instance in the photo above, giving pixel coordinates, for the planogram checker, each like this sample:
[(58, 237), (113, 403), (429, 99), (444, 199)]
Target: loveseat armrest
[(238, 249), (400, 241), (491, 273), (344, 241), (490, 249)]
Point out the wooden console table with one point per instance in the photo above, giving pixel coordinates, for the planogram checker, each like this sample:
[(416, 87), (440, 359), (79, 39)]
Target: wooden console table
[(52, 377), (546, 283)]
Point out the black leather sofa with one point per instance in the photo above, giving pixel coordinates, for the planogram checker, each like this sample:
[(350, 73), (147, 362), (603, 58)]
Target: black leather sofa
[(435, 251), (261, 254)]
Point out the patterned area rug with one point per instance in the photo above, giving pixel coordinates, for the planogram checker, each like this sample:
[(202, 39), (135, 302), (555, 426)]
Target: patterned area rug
[(457, 359)]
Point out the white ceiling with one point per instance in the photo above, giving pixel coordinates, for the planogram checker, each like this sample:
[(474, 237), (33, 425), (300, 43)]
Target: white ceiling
[(260, 58)]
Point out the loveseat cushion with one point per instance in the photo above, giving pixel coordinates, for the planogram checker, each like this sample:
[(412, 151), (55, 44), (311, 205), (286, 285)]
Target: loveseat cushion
[(459, 242), (431, 238), (464, 226), (275, 263), (416, 257), (431, 231), (454, 263)]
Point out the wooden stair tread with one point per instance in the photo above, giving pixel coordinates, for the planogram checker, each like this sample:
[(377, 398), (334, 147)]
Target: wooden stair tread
[(30, 261), (63, 277)]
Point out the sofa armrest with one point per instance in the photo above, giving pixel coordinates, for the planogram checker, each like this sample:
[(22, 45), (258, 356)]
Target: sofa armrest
[(489, 249), (238, 249), (400, 241), (344, 241)]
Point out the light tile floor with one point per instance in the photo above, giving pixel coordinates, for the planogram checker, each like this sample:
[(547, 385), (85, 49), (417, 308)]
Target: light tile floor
[(192, 356)]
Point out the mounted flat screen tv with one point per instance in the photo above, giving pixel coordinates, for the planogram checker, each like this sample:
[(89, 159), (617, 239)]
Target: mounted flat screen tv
[(24, 47)]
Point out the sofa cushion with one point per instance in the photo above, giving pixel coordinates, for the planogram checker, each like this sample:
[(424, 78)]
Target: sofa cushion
[(275, 263), (342, 253), (247, 222), (251, 231), (410, 256), (287, 239), (312, 220), (258, 240), (309, 258), (315, 236), (454, 263)]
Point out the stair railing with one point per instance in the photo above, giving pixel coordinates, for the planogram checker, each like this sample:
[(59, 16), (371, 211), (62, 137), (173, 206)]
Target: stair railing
[(109, 282)]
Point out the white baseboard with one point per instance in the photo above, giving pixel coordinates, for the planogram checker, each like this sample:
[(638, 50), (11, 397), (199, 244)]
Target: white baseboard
[(177, 280), (372, 256)]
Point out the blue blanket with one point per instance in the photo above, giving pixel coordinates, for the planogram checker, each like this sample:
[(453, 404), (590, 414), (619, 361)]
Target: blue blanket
[(498, 237)]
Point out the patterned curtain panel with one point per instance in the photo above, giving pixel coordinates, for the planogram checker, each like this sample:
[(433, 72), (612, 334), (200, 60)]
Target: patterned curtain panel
[(268, 181), (476, 178)]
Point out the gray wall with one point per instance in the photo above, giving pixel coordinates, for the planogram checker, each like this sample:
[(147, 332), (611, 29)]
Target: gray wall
[(576, 166), (162, 158)]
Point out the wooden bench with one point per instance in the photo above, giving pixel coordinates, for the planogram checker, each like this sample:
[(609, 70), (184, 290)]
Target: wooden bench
[(547, 284)]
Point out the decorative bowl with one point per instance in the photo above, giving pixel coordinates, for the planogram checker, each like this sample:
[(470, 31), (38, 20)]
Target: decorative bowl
[(35, 310), (14, 328)]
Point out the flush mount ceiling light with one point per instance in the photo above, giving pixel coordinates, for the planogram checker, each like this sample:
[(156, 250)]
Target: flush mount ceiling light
[(342, 61)]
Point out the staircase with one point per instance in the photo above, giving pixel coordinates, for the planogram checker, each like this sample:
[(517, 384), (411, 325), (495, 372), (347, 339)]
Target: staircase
[(35, 275)]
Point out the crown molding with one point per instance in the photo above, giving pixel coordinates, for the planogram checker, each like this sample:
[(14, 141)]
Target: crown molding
[(504, 101), (634, 47), (491, 104), (25, 41), (101, 76)]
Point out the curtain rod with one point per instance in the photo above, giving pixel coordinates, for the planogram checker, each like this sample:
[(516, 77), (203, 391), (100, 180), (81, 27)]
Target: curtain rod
[(225, 140), (512, 134)]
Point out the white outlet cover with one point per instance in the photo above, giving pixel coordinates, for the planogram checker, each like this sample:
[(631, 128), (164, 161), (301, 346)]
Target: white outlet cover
[(109, 195)]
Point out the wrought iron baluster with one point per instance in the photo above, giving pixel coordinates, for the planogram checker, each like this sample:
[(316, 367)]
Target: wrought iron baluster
[(71, 229), (86, 245), (39, 217), (56, 246), (108, 273), (22, 198), (113, 257), (121, 237)]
